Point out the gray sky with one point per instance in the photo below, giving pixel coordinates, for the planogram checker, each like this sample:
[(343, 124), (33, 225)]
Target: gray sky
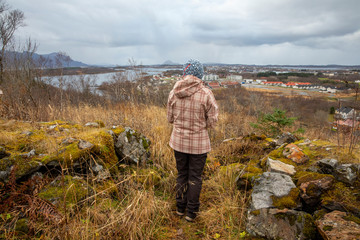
[(227, 31)]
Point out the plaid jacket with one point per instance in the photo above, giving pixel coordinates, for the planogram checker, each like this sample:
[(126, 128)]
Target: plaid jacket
[(191, 109)]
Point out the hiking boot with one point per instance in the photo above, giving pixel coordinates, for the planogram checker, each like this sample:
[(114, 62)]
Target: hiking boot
[(180, 212), (190, 216)]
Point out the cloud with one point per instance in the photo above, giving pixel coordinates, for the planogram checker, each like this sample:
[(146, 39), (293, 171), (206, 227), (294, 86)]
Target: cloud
[(154, 31)]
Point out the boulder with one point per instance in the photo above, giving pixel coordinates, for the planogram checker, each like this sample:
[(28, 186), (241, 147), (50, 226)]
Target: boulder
[(338, 225), (272, 223), (280, 167), (346, 173), (285, 138), (294, 153), (311, 191), (132, 147), (274, 190)]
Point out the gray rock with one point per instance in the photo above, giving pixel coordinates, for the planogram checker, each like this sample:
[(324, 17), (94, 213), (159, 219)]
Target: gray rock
[(285, 138), (327, 165), (68, 141), (272, 223), (85, 145), (132, 147), (27, 133), (30, 154), (52, 127), (92, 124), (346, 173), (270, 184), (4, 176)]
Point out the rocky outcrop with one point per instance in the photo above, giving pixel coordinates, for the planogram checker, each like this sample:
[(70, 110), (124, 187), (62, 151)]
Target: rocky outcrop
[(272, 223), (300, 186), (338, 225), (132, 147), (93, 151)]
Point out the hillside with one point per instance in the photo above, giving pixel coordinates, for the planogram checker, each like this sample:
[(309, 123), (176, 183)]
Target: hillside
[(80, 179)]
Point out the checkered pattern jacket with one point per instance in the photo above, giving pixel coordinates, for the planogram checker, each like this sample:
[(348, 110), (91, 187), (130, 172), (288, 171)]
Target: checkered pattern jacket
[(191, 109)]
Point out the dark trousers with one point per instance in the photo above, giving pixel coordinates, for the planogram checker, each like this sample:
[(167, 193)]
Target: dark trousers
[(188, 182)]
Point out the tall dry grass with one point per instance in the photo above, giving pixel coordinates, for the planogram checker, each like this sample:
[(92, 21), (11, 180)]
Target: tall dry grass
[(125, 209)]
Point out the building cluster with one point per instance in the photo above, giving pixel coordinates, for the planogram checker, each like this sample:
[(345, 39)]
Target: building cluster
[(346, 118)]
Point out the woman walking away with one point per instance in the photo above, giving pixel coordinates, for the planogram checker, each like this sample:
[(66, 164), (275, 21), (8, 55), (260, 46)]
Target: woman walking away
[(192, 110)]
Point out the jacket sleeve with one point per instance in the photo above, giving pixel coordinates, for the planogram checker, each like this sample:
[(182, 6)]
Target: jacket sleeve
[(170, 115), (212, 111)]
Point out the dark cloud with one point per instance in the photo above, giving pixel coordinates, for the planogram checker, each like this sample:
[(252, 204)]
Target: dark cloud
[(215, 30)]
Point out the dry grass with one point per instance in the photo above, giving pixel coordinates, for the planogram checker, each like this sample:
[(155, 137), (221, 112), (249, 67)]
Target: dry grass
[(123, 208)]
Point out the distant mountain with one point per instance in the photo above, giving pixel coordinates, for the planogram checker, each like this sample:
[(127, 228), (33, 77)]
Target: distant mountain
[(54, 60), (51, 60), (168, 62)]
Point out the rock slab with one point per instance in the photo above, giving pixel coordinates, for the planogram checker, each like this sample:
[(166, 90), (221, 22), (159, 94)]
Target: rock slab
[(280, 167), (270, 184)]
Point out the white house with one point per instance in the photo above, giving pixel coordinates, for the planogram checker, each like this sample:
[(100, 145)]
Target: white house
[(345, 112), (210, 77)]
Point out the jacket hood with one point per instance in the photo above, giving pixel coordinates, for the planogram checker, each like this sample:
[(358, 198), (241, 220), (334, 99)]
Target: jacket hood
[(187, 86)]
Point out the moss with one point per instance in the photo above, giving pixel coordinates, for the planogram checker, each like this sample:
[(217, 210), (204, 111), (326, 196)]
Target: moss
[(289, 201), (304, 176), (73, 190), (319, 214), (327, 228), (255, 212), (146, 143), (22, 226), (277, 153), (118, 130), (309, 229), (56, 122), (290, 217), (342, 194), (101, 123), (350, 217)]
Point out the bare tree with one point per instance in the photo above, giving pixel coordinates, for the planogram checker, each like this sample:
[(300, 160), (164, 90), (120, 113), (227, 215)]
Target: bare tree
[(10, 21)]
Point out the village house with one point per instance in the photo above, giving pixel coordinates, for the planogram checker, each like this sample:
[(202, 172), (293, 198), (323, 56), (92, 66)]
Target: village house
[(345, 113)]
